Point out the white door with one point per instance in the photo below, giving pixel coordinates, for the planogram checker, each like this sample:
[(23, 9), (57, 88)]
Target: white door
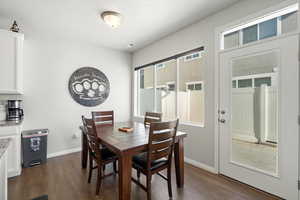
[(258, 117)]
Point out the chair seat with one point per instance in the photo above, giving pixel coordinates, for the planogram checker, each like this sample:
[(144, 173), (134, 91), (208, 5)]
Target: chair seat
[(106, 154), (140, 161)]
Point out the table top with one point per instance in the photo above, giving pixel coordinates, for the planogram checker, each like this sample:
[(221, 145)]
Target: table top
[(122, 142)]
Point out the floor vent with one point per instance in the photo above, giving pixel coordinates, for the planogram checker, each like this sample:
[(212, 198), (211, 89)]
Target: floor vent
[(44, 197)]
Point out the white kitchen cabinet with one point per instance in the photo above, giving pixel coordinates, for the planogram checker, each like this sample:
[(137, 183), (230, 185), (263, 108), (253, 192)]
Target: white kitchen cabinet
[(3, 177), (11, 62), (14, 150)]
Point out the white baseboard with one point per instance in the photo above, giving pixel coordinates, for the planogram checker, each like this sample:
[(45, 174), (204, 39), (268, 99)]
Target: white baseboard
[(200, 165), (187, 160), (64, 152)]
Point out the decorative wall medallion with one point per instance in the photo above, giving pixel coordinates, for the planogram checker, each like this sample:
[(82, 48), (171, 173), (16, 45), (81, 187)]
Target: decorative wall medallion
[(89, 86)]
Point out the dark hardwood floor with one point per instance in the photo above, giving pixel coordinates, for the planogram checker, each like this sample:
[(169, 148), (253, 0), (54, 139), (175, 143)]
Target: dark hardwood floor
[(63, 179)]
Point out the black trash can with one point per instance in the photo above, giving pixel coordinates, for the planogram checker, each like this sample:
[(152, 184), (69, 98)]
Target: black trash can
[(34, 147)]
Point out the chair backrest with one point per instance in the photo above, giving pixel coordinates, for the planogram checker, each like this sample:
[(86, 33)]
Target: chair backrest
[(161, 141), (92, 137), (103, 117), (151, 117)]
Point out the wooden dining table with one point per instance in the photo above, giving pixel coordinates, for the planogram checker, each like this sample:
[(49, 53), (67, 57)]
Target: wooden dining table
[(126, 145)]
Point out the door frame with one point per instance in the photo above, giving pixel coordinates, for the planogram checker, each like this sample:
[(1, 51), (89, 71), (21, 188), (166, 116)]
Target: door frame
[(217, 40)]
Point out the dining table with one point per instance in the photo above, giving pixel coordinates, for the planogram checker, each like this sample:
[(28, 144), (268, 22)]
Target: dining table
[(127, 144)]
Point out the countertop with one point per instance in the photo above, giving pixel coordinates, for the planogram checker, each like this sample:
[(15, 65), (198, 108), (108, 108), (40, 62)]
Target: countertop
[(10, 123), (4, 143)]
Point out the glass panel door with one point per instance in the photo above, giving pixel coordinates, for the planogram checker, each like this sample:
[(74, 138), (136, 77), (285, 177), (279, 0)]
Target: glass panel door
[(258, 115), (255, 112)]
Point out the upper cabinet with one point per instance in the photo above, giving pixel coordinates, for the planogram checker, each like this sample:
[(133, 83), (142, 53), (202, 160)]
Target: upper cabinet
[(11, 62)]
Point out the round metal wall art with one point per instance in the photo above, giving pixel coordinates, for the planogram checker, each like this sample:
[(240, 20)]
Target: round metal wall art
[(89, 86)]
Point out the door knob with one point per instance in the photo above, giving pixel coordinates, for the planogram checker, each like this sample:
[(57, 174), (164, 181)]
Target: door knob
[(222, 121), (222, 112)]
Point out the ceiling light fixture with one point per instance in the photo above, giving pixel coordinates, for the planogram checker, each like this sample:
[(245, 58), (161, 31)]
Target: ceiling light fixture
[(112, 18)]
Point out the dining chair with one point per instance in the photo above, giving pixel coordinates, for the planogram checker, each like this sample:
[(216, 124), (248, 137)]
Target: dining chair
[(104, 118), (102, 156), (152, 117), (158, 156)]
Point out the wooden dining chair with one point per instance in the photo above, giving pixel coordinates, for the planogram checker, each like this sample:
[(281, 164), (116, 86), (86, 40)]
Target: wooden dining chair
[(102, 156), (102, 118), (158, 156), (152, 117)]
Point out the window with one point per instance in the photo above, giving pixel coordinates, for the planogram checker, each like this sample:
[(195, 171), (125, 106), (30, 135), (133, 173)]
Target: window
[(191, 91), (289, 22), (254, 81), (244, 83), (142, 81), (268, 29), (262, 81), (274, 24), (234, 84), (171, 86), (250, 34), (198, 86), (165, 98), (190, 87), (160, 66), (194, 86), (192, 56), (175, 88), (231, 40), (146, 91)]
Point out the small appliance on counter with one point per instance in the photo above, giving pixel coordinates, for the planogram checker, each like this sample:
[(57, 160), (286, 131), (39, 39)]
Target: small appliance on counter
[(14, 110), (34, 147)]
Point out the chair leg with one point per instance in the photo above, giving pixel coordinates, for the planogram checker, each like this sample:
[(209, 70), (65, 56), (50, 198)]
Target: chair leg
[(104, 166), (115, 167), (169, 183), (91, 169), (99, 180), (149, 176)]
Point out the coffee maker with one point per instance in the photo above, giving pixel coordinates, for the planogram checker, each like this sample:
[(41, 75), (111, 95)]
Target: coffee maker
[(14, 110)]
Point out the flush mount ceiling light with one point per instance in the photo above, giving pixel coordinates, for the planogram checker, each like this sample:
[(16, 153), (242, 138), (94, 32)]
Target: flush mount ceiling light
[(112, 18)]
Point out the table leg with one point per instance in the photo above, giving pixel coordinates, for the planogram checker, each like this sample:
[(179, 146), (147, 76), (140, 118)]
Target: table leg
[(84, 151), (125, 176), (179, 162)]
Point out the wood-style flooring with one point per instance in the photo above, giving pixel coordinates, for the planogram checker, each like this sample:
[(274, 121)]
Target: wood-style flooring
[(63, 179)]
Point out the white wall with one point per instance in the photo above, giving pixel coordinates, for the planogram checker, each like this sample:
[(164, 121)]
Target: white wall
[(48, 64), (200, 143)]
